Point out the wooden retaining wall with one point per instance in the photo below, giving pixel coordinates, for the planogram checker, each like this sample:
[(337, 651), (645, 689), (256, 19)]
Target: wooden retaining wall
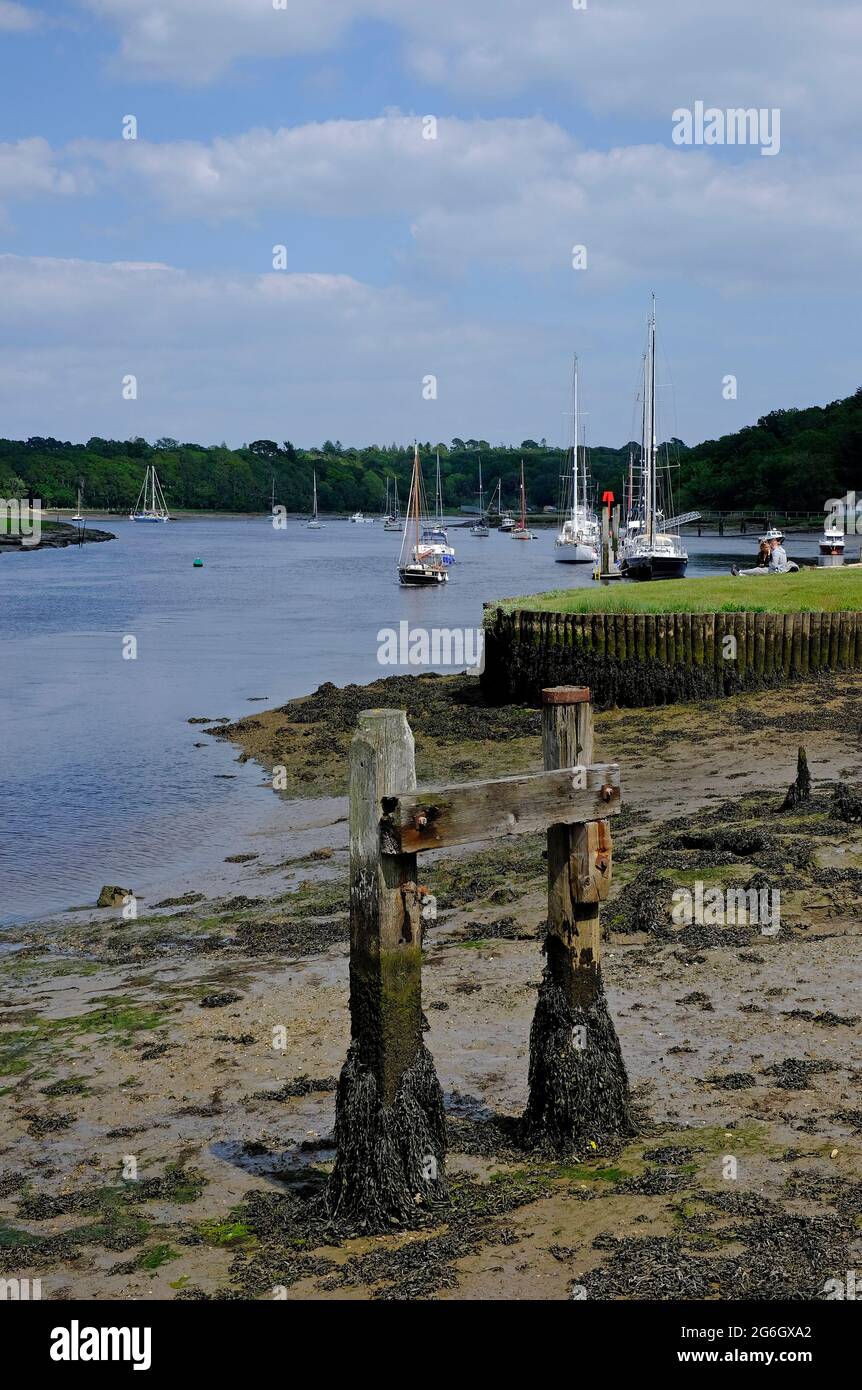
[(637, 659)]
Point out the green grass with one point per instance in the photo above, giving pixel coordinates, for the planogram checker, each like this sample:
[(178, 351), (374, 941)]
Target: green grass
[(811, 591)]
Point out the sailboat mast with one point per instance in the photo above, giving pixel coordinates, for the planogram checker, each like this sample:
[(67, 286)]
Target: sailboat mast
[(416, 495), (631, 482), (575, 439), (585, 501), (652, 439), (438, 500)]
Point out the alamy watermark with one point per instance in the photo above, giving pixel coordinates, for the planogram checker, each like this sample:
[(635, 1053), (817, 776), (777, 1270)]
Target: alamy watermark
[(737, 126), (22, 518), (20, 1290), (719, 907), (462, 647), (850, 1287), (844, 514)]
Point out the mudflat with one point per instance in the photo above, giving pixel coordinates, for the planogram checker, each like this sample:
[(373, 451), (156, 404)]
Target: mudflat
[(167, 1083)]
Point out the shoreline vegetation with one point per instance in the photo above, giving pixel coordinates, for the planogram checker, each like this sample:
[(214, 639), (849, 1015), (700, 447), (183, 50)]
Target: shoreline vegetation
[(789, 462), (154, 1037)]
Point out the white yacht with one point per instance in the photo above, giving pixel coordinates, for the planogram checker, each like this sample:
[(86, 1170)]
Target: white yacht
[(652, 548), (577, 540)]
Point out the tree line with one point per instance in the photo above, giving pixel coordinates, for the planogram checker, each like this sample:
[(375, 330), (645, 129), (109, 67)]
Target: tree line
[(790, 460)]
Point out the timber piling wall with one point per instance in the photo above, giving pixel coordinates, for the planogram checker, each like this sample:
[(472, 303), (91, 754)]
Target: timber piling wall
[(638, 659)]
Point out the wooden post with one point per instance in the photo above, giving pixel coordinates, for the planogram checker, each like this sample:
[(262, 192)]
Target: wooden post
[(385, 924), (578, 1084), (389, 1125), (573, 944)]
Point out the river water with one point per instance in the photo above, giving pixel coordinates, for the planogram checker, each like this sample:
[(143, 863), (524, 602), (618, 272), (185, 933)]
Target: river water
[(101, 779)]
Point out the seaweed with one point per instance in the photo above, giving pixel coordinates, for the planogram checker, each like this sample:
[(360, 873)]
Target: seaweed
[(579, 1095), (390, 1158)]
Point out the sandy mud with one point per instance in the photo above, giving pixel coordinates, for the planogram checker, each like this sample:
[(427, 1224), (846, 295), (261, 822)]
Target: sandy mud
[(167, 1084)]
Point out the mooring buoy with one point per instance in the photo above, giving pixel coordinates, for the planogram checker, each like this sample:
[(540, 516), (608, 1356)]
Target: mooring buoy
[(198, 564)]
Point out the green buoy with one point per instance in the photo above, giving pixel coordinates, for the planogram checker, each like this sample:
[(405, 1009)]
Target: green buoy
[(198, 564)]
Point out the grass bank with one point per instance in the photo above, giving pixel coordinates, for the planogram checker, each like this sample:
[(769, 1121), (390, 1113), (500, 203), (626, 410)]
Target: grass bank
[(808, 591)]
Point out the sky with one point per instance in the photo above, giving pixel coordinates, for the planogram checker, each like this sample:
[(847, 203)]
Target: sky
[(428, 169)]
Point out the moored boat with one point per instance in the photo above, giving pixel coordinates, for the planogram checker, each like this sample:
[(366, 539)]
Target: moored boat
[(151, 505), (314, 524), (578, 537), (392, 510), (434, 533), (420, 564), (832, 541), (521, 532), (480, 528), (652, 549)]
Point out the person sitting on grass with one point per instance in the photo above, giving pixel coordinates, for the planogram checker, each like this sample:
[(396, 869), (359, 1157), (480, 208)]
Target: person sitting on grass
[(778, 562), (778, 558)]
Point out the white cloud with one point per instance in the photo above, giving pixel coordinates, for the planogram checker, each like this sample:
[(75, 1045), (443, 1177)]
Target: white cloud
[(626, 56), (235, 357), (194, 41), (514, 194), (311, 357), (30, 168), (17, 19)]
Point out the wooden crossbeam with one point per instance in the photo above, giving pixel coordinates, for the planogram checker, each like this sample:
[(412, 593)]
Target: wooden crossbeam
[(466, 812)]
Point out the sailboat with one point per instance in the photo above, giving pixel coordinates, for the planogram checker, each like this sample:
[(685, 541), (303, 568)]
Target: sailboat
[(507, 521), (79, 515), (314, 524), (521, 532), (419, 563), (150, 505), (392, 511), (578, 537), (480, 529), (652, 548), (434, 532)]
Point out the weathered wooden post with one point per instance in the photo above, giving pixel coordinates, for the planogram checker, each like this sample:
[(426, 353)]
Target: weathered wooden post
[(389, 1123), (579, 1089)]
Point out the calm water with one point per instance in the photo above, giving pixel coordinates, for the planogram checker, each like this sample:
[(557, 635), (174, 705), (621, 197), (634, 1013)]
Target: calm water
[(101, 781)]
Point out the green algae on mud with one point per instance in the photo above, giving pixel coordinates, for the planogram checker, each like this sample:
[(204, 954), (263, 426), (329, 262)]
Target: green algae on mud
[(121, 1018)]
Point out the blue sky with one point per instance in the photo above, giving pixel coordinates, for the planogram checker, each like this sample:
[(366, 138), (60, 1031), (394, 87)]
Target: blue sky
[(409, 257)]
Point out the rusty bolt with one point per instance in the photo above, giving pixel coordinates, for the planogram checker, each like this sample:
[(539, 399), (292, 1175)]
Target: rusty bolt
[(420, 820), (606, 793)]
